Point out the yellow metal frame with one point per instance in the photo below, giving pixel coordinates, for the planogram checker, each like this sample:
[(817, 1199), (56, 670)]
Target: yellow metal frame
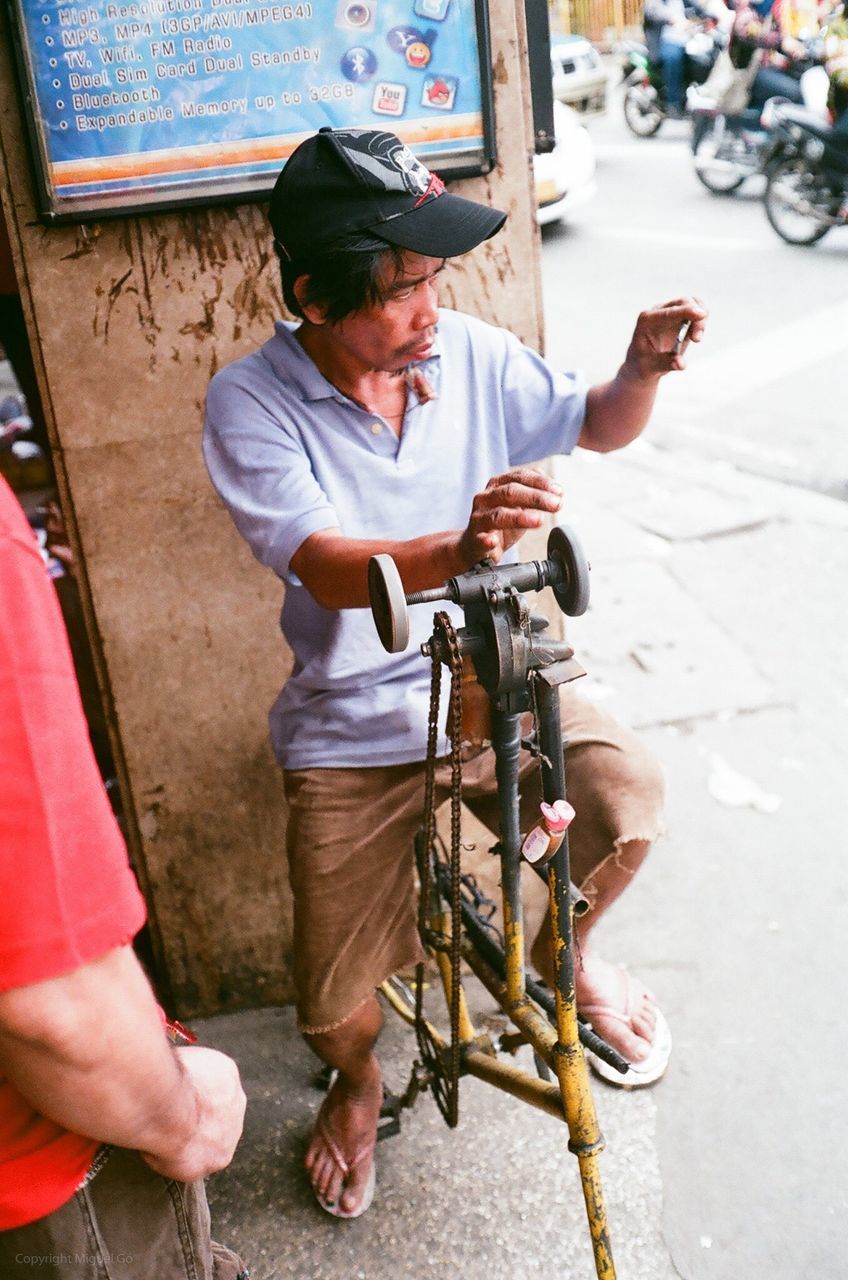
[(570, 1099)]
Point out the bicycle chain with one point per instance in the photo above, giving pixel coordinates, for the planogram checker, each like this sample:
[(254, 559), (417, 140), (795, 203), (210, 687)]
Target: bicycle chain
[(444, 1081)]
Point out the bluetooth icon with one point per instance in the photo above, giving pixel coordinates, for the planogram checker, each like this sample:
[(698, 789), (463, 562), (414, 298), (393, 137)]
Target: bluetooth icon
[(358, 64)]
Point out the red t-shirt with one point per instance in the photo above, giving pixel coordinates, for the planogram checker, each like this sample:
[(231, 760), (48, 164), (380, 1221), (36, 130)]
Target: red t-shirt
[(67, 894)]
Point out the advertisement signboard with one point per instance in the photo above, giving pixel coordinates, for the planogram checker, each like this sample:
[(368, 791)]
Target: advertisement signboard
[(134, 105)]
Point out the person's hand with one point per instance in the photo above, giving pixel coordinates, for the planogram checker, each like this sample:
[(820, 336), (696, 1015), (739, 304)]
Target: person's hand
[(661, 337), (221, 1104), (57, 536), (509, 505)]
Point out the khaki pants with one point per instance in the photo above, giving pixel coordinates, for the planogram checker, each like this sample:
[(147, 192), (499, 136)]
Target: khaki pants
[(350, 840), (125, 1223)]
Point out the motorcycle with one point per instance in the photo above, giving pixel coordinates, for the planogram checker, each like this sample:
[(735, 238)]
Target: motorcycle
[(729, 147), (645, 105), (807, 174)]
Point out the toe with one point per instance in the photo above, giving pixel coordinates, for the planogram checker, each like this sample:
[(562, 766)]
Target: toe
[(643, 1024), (638, 1049), (355, 1189), (332, 1186), (323, 1177), (316, 1171), (630, 1044), (644, 1020), (621, 1037)]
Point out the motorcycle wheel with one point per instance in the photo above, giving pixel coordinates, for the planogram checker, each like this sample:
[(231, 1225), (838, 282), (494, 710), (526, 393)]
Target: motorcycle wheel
[(720, 177), (643, 113), (791, 185)]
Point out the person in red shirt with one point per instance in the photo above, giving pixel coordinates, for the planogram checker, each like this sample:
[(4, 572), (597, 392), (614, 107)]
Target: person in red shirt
[(106, 1129)]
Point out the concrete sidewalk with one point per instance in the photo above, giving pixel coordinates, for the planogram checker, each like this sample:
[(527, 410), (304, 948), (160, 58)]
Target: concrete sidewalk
[(713, 629)]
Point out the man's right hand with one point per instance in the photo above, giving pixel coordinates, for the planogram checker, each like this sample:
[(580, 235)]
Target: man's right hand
[(220, 1117), (510, 504), (334, 568), (87, 1050)]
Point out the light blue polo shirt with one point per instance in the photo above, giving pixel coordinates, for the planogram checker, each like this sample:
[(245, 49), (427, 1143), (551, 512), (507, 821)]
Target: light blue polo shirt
[(289, 455)]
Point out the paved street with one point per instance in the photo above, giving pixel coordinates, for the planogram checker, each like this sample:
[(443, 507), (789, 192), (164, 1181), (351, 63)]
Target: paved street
[(768, 389), (733, 1166), (719, 570), (719, 628)]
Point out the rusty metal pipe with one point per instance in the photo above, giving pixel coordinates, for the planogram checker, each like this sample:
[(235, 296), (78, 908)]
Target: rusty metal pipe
[(533, 1025), (506, 740), (585, 1137), (511, 1079)]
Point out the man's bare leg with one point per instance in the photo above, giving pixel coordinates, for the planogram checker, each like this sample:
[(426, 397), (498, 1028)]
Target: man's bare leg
[(350, 1112), (598, 982)]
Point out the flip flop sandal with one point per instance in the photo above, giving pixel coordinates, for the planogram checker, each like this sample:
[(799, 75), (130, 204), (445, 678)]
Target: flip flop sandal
[(346, 1168), (652, 1068)]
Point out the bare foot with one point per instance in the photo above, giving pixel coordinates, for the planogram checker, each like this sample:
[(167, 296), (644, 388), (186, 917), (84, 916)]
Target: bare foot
[(341, 1150), (619, 1007)]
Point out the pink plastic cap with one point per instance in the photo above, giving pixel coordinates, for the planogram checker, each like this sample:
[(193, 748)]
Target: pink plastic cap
[(558, 815)]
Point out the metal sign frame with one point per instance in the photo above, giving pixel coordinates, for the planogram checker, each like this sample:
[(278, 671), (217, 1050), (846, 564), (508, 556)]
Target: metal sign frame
[(135, 106)]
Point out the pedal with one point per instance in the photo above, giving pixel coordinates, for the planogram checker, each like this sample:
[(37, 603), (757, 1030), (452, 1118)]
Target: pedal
[(388, 1124), (323, 1078), (511, 1041), (388, 1121)]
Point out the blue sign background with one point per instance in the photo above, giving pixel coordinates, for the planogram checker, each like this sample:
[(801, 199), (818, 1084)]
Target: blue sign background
[(142, 98)]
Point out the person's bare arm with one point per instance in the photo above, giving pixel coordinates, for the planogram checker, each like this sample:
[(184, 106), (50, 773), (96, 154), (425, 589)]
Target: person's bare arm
[(618, 411), (333, 568), (88, 1051)]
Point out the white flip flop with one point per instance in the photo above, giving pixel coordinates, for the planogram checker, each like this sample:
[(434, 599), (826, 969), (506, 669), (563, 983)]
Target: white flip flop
[(345, 1168), (648, 1071), (651, 1068)]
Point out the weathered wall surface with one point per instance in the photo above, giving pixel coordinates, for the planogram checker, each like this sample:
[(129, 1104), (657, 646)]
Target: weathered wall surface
[(128, 320)]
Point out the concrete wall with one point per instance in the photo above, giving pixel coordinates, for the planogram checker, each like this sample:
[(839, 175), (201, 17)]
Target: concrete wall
[(128, 320)]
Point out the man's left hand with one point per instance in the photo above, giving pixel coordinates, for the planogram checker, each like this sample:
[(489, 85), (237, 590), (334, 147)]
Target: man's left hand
[(662, 335)]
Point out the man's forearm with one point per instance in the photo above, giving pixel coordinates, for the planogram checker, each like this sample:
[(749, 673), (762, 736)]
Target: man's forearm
[(334, 569), (88, 1051), (617, 411)]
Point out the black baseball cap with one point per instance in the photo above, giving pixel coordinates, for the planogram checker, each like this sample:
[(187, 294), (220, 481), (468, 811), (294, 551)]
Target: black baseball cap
[(341, 181)]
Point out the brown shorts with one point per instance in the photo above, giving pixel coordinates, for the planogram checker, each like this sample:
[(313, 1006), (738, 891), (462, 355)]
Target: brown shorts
[(350, 840), (124, 1223)]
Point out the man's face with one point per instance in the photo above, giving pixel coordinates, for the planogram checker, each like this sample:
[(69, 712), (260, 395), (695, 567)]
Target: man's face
[(400, 328)]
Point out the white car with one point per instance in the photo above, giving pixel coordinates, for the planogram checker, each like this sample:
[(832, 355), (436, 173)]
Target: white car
[(565, 177), (579, 75)]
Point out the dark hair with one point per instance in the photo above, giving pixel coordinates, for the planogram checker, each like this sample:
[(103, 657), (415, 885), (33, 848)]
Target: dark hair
[(343, 277)]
